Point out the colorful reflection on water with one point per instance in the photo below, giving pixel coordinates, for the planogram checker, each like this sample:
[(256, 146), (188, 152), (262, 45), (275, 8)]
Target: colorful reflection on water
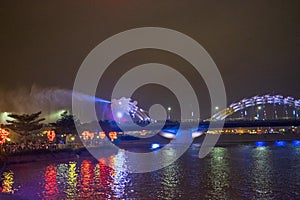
[(85, 180), (50, 186), (232, 172), (7, 182), (71, 187)]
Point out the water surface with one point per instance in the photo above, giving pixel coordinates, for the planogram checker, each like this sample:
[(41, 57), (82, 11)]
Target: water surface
[(231, 172)]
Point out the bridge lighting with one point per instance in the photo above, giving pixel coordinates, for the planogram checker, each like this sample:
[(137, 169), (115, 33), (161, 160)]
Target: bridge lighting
[(295, 113), (259, 107), (259, 103), (217, 108)]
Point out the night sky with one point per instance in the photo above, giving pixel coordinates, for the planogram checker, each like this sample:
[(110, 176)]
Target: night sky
[(255, 44)]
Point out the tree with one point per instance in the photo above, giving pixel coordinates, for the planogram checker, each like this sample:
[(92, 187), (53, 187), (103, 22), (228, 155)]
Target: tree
[(66, 124), (25, 124)]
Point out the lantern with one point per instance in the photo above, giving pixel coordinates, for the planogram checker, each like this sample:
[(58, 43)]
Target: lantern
[(112, 136), (51, 135), (3, 135), (91, 135), (102, 135), (85, 135)]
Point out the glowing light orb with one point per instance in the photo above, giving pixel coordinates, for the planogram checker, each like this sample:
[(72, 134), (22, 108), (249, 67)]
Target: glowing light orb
[(155, 146)]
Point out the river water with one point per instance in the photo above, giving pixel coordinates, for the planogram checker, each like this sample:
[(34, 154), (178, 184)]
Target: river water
[(229, 172)]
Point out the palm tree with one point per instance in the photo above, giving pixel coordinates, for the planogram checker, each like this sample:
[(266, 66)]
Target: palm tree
[(25, 124)]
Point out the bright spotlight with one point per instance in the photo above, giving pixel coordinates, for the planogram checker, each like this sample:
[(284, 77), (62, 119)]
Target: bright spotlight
[(155, 146)]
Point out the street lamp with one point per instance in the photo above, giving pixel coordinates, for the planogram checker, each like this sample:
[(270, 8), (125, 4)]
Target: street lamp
[(169, 112), (217, 109), (258, 113)]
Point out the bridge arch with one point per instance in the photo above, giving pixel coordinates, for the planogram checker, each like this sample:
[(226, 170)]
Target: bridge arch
[(256, 101)]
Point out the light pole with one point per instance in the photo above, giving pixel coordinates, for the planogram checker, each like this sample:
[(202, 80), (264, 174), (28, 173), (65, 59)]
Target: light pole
[(258, 112), (217, 108), (169, 113)]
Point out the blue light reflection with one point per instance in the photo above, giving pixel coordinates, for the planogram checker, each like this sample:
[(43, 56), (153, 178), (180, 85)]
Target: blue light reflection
[(280, 143), (260, 143), (296, 143)]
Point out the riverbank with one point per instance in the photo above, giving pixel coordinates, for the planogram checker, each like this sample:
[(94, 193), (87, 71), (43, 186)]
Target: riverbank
[(39, 156), (139, 145)]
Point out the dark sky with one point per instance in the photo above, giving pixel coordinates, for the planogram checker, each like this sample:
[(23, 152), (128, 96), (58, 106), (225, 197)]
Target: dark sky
[(255, 44)]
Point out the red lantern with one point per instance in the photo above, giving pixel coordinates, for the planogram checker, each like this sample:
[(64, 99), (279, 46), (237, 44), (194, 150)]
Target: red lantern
[(113, 135), (51, 135), (3, 135)]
